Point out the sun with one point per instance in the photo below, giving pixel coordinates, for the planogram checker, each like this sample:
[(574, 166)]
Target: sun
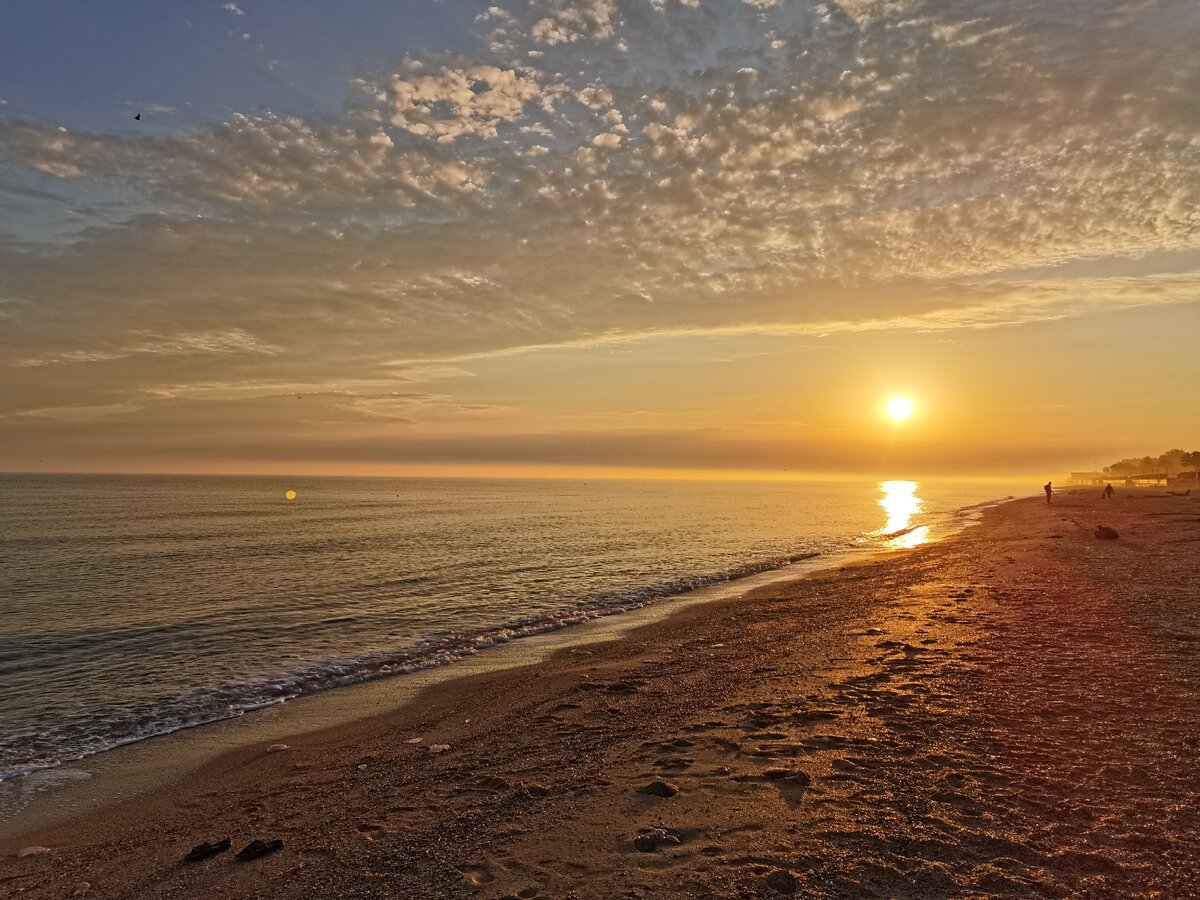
[(900, 408)]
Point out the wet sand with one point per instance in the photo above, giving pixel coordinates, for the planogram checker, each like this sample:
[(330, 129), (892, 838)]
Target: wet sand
[(1012, 712)]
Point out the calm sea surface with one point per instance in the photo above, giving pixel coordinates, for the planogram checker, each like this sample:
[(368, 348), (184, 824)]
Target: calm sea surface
[(135, 606)]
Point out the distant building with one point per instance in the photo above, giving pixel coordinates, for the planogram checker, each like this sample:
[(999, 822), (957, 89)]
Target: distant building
[(1099, 479), (1160, 479)]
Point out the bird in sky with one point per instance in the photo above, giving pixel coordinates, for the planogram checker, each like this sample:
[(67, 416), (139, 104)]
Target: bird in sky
[(138, 117)]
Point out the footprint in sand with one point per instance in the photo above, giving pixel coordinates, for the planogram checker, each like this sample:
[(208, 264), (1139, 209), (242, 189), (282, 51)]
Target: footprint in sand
[(372, 830), (674, 763), (816, 717), (825, 742), (621, 687), (791, 783), (477, 876), (660, 788)]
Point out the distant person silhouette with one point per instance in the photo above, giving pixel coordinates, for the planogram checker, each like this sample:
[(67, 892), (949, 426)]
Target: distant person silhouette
[(1048, 487), (1108, 492)]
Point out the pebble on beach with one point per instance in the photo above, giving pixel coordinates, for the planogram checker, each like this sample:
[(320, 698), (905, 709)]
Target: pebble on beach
[(652, 840), (659, 789)]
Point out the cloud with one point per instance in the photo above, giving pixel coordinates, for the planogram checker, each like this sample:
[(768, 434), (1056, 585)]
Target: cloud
[(652, 168), (570, 20), (279, 166), (396, 443), (231, 341), (451, 102), (77, 414)]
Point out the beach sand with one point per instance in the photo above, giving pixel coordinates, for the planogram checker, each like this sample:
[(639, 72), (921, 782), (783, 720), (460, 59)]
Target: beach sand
[(1014, 711)]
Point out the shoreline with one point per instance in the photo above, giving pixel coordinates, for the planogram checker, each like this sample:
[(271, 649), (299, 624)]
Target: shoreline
[(31, 801), (37, 800), (912, 725), (372, 640), (488, 639), (127, 624)]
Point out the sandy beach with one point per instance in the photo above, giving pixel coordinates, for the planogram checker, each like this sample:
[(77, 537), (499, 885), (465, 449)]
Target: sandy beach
[(1014, 711)]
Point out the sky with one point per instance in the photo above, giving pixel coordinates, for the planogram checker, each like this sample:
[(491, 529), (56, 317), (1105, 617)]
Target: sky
[(598, 237)]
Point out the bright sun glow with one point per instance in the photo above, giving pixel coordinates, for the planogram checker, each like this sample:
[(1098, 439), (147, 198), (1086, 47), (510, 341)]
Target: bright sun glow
[(900, 408)]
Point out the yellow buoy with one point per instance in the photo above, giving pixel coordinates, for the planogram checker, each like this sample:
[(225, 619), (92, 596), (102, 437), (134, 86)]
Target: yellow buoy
[(291, 495)]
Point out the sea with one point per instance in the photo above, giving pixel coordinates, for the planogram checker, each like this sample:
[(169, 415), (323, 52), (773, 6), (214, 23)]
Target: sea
[(136, 606)]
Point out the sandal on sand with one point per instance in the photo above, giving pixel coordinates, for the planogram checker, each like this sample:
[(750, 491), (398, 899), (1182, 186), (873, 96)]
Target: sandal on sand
[(256, 849), (204, 851)]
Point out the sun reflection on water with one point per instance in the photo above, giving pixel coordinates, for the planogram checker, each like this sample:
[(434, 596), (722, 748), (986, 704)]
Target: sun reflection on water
[(901, 503)]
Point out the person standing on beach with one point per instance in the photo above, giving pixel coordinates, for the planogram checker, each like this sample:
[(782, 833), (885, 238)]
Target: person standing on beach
[(1048, 487), (1108, 492)]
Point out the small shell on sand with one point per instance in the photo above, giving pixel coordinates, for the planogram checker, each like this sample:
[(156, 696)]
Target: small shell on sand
[(275, 748)]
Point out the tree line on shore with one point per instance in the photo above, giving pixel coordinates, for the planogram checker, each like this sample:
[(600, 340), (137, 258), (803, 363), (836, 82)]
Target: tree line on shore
[(1170, 463)]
